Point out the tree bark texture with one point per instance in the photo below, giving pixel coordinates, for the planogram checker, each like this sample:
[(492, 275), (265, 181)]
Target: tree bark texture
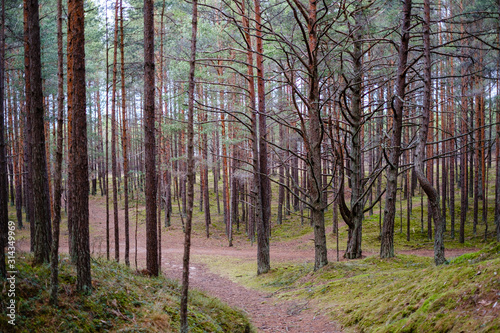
[(149, 140), (78, 149), (426, 185), (387, 240), (263, 223), (41, 201)]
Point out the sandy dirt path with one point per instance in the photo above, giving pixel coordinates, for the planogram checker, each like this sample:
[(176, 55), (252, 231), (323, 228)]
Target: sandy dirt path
[(267, 312)]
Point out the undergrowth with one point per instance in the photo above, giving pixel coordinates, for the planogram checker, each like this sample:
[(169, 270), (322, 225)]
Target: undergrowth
[(121, 301)]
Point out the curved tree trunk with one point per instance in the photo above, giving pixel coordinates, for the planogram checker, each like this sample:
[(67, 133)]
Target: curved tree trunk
[(426, 185), (387, 239)]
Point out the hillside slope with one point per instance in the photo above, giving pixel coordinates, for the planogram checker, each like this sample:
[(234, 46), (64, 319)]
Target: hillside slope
[(122, 301)]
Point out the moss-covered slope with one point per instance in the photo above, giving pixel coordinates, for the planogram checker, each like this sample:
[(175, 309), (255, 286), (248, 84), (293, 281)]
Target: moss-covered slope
[(121, 301)]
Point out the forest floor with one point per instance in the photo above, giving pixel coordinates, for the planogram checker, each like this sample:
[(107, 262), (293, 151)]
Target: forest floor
[(267, 311)]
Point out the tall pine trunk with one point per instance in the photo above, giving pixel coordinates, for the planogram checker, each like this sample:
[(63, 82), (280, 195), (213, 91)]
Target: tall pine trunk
[(263, 224), (41, 201), (78, 163), (149, 140)]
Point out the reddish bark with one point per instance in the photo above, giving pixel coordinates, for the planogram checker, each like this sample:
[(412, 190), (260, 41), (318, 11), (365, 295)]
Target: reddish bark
[(78, 163)]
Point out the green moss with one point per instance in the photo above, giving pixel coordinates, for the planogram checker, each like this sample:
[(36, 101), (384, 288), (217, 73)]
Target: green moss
[(403, 294), (121, 300)]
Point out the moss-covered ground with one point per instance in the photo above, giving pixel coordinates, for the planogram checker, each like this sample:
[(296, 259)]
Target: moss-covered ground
[(404, 294), (121, 301)]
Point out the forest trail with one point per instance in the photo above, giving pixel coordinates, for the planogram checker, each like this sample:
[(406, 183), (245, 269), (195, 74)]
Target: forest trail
[(267, 312)]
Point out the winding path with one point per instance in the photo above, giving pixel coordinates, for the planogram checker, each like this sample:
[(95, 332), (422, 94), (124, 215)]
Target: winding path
[(267, 312)]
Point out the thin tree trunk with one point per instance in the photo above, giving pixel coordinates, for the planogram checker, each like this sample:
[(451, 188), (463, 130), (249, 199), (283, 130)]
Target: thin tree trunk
[(114, 166), (281, 171), (225, 173), (54, 281), (124, 140), (216, 166), (451, 121), (190, 175), (106, 176), (206, 193), (4, 216), (464, 197), (20, 198)]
